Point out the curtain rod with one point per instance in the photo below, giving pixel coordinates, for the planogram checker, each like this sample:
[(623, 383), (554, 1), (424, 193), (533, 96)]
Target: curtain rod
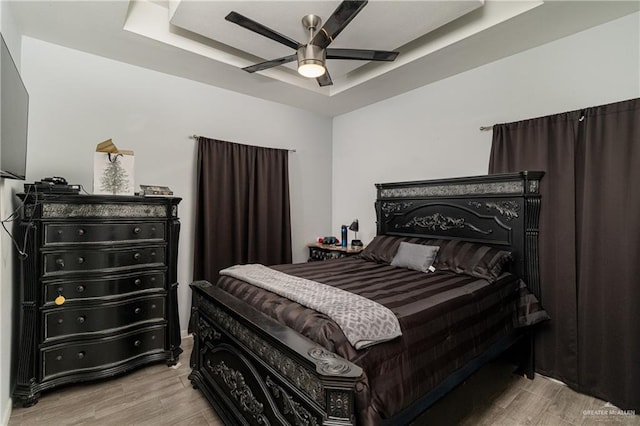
[(486, 128), (194, 136)]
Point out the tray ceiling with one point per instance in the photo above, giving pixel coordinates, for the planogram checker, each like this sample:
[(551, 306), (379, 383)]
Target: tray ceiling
[(380, 25), (191, 39)]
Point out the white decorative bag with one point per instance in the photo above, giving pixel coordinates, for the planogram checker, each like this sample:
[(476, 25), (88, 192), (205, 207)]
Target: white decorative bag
[(113, 170)]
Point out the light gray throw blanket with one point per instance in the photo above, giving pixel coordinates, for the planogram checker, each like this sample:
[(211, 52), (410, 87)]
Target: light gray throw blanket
[(363, 321)]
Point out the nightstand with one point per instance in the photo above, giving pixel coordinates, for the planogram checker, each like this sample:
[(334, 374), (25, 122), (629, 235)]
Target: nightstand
[(319, 251)]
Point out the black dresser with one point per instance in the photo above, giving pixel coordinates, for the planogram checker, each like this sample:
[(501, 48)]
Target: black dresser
[(97, 294)]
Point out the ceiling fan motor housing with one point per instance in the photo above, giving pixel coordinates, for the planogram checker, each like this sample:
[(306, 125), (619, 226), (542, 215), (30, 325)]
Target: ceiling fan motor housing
[(311, 54)]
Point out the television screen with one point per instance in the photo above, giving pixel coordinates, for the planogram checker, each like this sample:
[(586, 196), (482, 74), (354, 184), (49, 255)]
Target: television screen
[(14, 110)]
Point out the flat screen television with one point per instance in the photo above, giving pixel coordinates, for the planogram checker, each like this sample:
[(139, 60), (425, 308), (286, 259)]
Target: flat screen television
[(14, 111)]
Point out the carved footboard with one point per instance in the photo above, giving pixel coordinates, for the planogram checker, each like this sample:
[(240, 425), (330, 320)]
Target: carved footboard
[(256, 371)]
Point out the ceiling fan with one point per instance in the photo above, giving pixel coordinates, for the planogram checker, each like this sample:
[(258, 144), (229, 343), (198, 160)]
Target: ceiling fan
[(312, 56)]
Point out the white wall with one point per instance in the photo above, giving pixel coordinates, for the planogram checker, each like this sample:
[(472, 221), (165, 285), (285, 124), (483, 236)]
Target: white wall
[(7, 190), (78, 100), (433, 132)]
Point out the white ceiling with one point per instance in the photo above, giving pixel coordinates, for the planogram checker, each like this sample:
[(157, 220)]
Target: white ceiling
[(191, 39)]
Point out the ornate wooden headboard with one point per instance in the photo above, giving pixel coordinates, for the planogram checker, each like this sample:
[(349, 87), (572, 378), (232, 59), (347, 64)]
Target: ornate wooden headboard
[(498, 210)]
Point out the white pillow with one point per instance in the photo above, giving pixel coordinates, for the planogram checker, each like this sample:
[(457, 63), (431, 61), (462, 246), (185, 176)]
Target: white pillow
[(418, 257)]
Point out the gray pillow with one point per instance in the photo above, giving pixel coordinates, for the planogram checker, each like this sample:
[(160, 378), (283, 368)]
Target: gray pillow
[(418, 257)]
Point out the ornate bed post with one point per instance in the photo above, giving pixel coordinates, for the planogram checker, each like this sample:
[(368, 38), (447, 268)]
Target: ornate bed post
[(532, 221), (532, 259)]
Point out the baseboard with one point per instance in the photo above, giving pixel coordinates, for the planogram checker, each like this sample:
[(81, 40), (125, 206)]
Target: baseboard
[(560, 382), (6, 413)]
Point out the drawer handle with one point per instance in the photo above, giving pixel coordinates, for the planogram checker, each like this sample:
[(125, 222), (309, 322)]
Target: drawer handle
[(136, 230), (60, 263), (81, 354), (59, 300), (81, 319), (81, 232), (60, 320), (59, 358), (136, 256), (137, 282), (80, 288), (137, 343), (137, 310), (80, 260)]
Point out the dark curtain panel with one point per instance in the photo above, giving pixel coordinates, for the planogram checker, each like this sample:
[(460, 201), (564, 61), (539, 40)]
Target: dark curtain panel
[(589, 243), (547, 144), (242, 207), (608, 249)]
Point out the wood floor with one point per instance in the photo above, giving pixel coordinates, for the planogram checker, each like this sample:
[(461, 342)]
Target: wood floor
[(157, 395), (152, 395)]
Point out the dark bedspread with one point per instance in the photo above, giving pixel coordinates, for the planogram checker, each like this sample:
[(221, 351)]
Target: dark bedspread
[(447, 319)]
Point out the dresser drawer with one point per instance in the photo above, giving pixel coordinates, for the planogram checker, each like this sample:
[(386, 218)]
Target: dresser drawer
[(87, 260), (61, 322), (101, 353), (112, 287), (105, 232)]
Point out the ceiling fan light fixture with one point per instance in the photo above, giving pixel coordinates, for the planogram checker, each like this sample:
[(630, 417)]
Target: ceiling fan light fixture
[(311, 61), (311, 70)]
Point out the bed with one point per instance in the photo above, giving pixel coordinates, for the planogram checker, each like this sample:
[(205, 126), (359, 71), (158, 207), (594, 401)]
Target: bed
[(261, 358)]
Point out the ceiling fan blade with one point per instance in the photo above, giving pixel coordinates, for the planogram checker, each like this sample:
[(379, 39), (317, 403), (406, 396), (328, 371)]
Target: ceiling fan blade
[(337, 21), (325, 79), (256, 27), (270, 64), (362, 54)]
